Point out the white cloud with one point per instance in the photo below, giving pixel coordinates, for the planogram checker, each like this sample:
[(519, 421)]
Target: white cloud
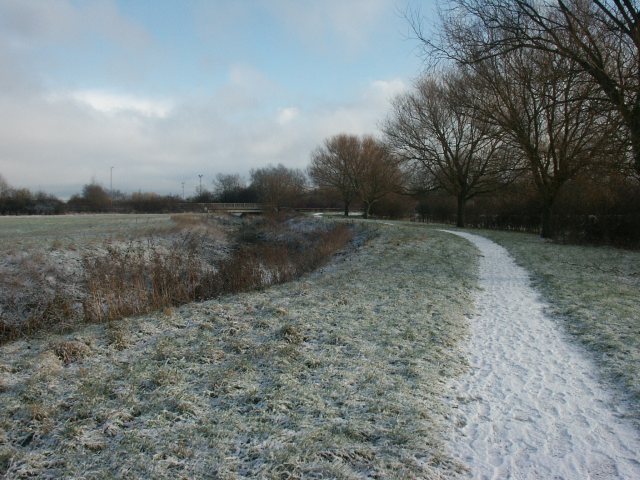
[(318, 24), (40, 39), (352, 22), (60, 142), (388, 89), (60, 138), (287, 115), (112, 103), (29, 22)]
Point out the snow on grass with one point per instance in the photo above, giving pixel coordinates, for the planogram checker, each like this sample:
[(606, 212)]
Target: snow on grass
[(341, 374), (596, 292)]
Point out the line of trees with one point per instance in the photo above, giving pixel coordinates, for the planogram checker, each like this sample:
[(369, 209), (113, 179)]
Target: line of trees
[(541, 94), (277, 186), (24, 201), (535, 114)]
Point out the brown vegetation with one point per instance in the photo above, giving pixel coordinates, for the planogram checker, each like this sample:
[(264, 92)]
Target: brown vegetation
[(356, 167), (144, 276)]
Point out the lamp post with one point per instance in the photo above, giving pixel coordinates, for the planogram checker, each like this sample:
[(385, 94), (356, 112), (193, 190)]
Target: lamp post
[(200, 176)]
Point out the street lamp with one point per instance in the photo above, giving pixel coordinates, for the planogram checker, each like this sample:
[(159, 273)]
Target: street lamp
[(200, 176)]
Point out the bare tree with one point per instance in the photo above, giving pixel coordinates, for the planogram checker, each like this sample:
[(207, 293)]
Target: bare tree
[(545, 108), (443, 144), (378, 173), (4, 186), (356, 167), (599, 37), (278, 186), (96, 197), (228, 187), (335, 165)]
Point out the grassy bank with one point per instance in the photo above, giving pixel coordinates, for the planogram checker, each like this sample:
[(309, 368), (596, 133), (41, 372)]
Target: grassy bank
[(340, 374), (125, 269), (595, 291)]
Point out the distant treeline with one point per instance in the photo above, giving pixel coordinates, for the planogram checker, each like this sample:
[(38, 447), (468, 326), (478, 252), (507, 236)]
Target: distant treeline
[(278, 186), (589, 209)]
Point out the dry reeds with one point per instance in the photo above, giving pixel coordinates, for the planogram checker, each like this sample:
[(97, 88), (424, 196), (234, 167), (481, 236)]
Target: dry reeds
[(138, 280), (142, 277)]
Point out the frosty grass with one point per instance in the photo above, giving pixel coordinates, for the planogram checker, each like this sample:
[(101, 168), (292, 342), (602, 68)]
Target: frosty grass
[(341, 374)]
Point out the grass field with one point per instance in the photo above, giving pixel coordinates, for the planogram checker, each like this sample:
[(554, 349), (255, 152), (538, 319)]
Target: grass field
[(29, 232), (341, 374)]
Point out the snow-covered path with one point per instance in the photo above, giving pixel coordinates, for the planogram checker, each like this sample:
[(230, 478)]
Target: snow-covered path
[(531, 406)]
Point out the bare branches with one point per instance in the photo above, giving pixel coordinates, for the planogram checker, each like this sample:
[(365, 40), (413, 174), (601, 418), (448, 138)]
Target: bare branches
[(335, 165), (546, 110), (601, 38), (278, 186), (354, 166), (379, 173), (446, 146)]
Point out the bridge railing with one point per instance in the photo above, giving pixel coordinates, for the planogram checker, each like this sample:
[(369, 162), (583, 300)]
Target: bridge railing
[(226, 206), (233, 206), (248, 207)]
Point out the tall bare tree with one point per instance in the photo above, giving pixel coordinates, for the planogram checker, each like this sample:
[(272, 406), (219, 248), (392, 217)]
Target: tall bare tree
[(599, 37), (278, 186), (446, 147), (545, 108), (378, 173), (228, 187), (335, 165)]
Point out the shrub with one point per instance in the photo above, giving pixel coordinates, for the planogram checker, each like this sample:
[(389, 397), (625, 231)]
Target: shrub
[(70, 351)]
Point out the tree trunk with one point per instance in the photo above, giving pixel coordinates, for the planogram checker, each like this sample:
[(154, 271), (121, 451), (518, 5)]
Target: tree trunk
[(634, 133), (461, 208), (366, 210), (547, 220), (346, 209)]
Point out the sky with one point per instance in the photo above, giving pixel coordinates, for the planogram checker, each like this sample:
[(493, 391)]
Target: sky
[(166, 90)]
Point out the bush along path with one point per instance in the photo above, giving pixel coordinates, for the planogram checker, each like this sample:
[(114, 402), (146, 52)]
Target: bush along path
[(531, 405), (339, 374)]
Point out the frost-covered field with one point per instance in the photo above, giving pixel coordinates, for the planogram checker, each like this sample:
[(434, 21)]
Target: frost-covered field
[(341, 374), (595, 291), (74, 231)]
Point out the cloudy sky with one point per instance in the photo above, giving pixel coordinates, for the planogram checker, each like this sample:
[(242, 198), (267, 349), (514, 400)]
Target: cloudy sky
[(164, 90)]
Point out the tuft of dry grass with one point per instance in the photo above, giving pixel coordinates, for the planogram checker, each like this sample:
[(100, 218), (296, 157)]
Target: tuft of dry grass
[(45, 310), (137, 280), (70, 351)]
